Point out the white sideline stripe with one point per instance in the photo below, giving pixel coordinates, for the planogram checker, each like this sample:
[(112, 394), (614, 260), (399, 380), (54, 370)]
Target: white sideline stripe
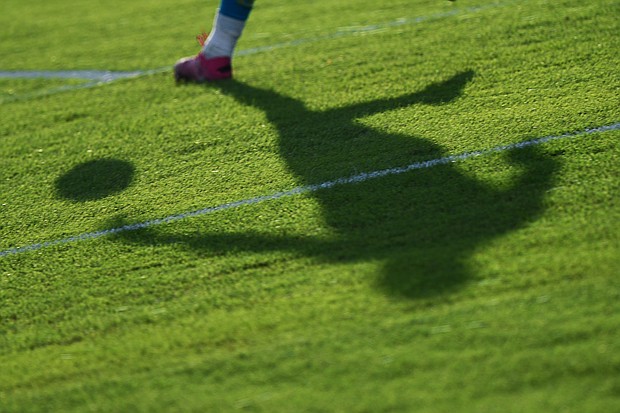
[(354, 30), (105, 78), (99, 75), (366, 176)]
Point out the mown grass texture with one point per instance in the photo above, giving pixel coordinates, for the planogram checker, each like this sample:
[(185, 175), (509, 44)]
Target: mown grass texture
[(483, 285)]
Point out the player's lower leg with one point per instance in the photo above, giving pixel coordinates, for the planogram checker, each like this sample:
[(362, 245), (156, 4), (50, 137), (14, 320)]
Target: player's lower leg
[(214, 60)]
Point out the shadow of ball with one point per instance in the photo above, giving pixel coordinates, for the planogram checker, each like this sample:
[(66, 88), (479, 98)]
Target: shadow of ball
[(95, 180)]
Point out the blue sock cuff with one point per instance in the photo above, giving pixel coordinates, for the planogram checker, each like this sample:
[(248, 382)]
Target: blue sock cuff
[(237, 9)]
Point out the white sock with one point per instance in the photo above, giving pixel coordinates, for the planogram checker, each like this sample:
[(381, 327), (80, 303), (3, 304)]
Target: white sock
[(223, 37)]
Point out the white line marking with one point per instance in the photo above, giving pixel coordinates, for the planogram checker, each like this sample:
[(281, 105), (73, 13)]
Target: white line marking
[(366, 176), (98, 75), (106, 78)]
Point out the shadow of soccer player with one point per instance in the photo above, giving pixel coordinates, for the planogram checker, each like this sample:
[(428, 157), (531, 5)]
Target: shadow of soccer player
[(424, 225)]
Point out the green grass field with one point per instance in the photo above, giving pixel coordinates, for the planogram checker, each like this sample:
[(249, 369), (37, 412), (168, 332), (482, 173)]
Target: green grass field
[(487, 284)]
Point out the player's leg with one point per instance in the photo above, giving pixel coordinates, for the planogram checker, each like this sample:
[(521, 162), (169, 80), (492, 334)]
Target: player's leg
[(227, 27), (214, 60)]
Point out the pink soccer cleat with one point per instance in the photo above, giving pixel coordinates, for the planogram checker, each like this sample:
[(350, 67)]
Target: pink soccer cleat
[(202, 69)]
